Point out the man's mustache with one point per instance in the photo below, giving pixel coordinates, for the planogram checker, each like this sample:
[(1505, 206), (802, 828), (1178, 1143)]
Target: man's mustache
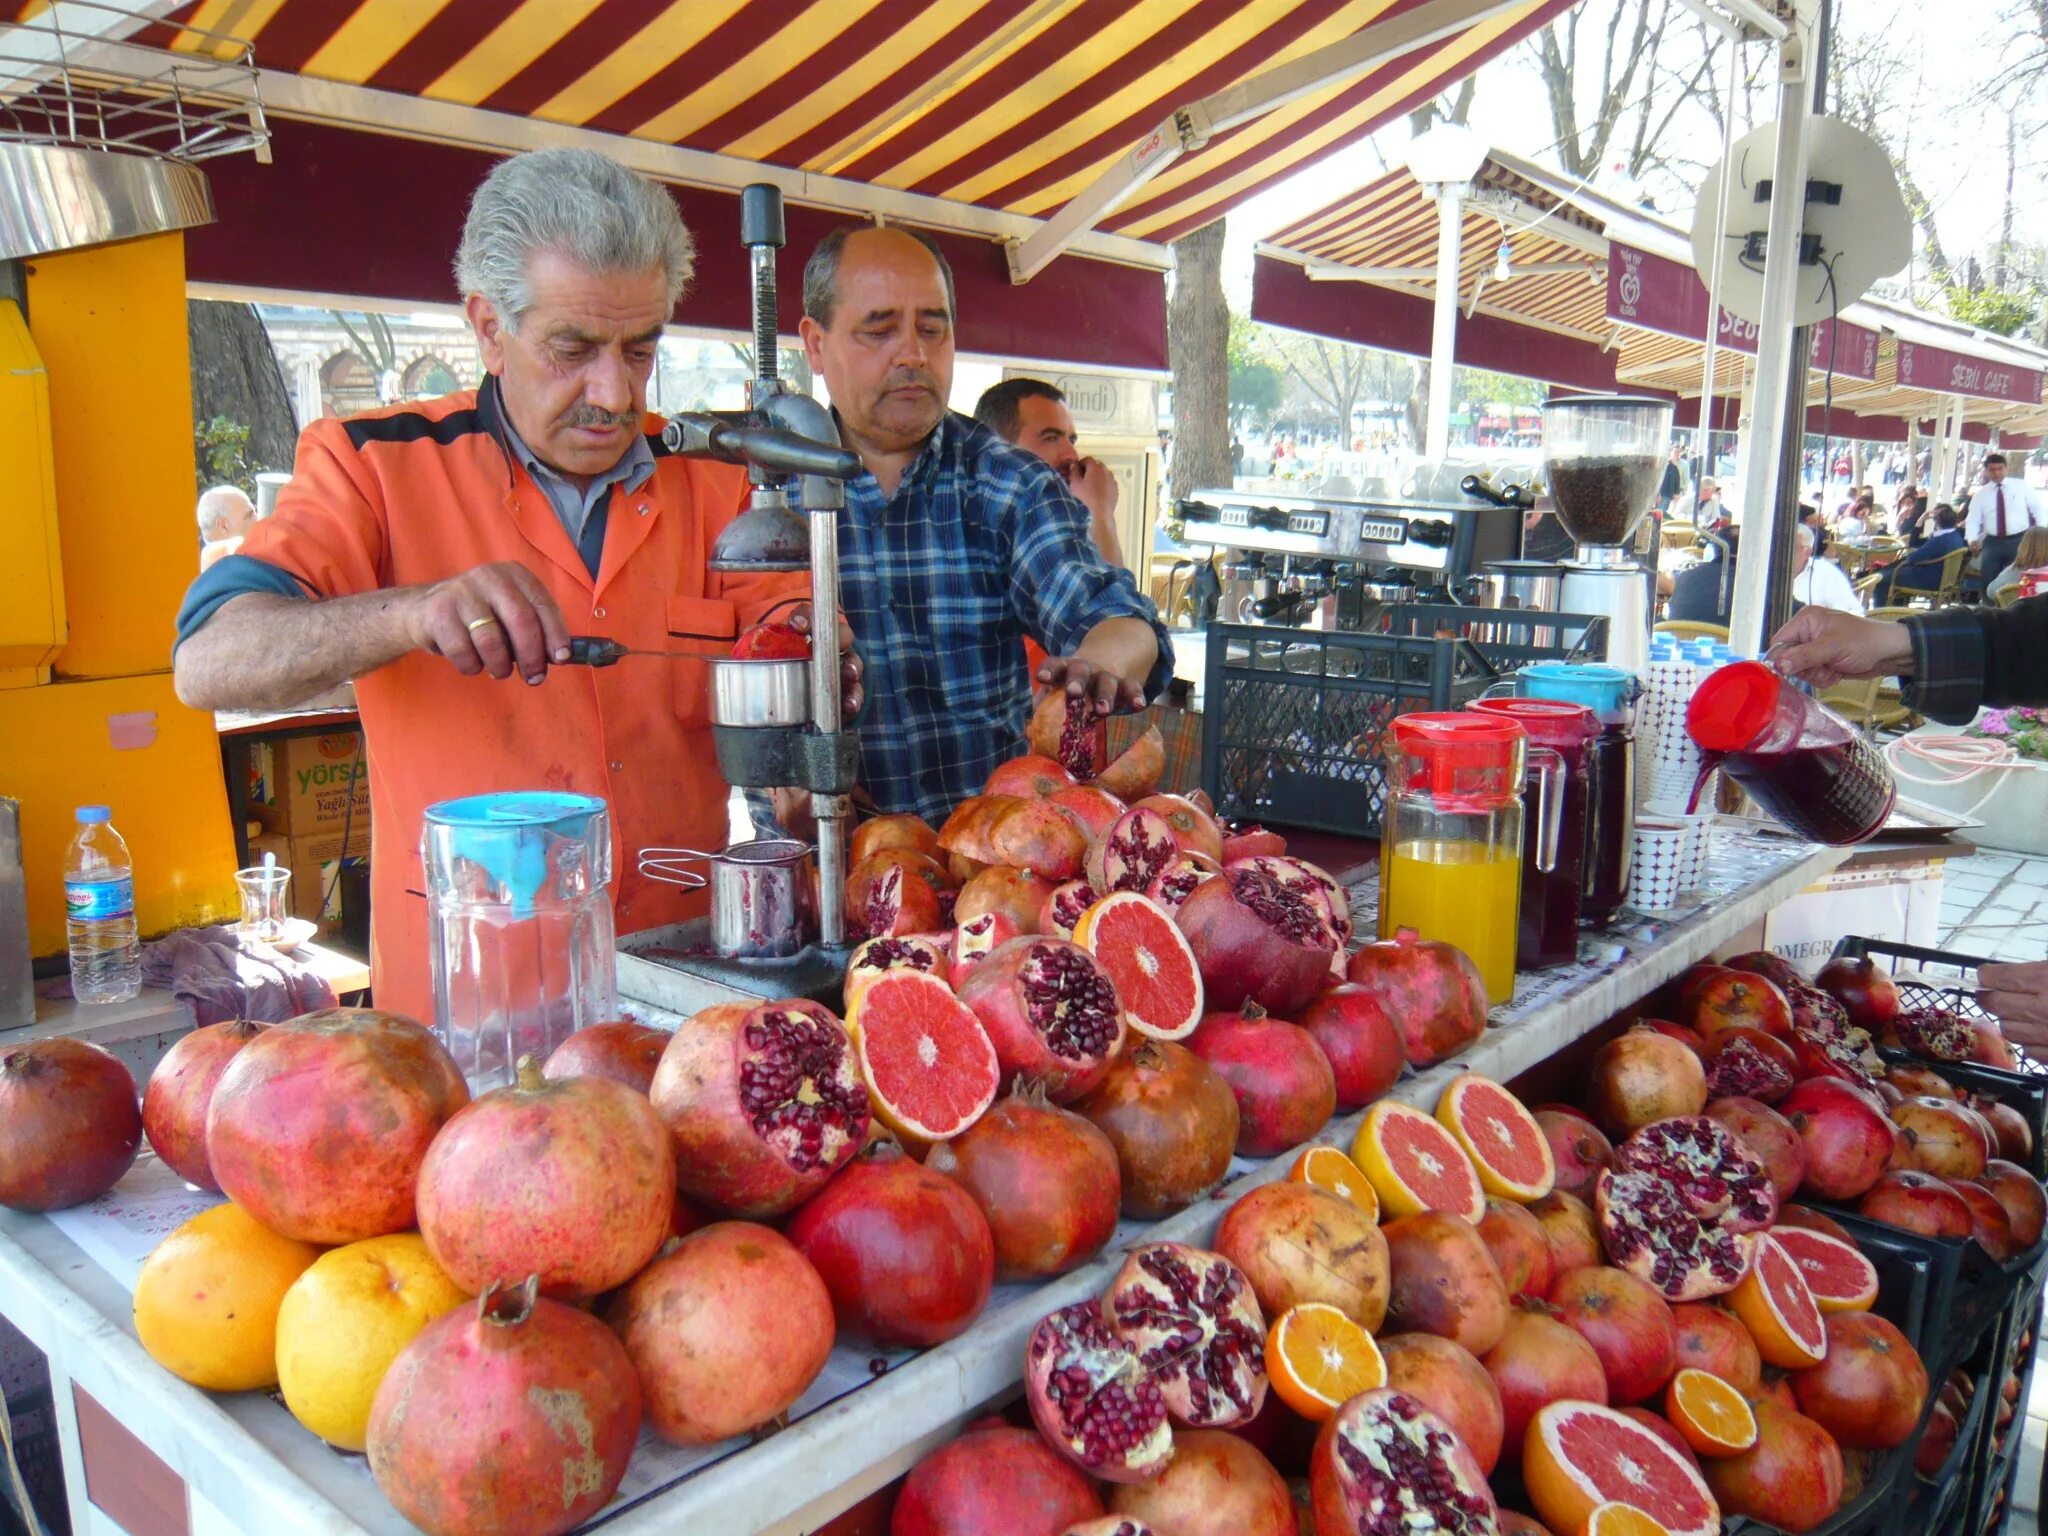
[(595, 416), (911, 378)]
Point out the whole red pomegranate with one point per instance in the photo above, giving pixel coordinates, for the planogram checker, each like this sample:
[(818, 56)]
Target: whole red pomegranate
[(1870, 1389), (319, 1125), (623, 1050), (1039, 836), (572, 1180), (1684, 1034), (726, 1330), (1449, 1381), (1092, 1397), (1916, 1202), (1444, 1281), (2009, 1129), (1052, 1012), (1641, 1076), (1284, 1087), (1541, 1360), (1384, 1465), (1993, 1049), (1572, 1231), (1299, 1244), (1257, 939), (1578, 1148), (180, 1091), (1032, 775), (1362, 1040), (1045, 1178), (1216, 1485), (1193, 828), (1751, 1064), (1936, 1440), (1921, 1082), (1432, 990), (1521, 1251), (1173, 1122), (1093, 807), (1848, 1138), (1726, 999), (69, 1123), (1628, 1324), (1939, 1137), (1712, 1339), (517, 1414), (1191, 1316), (993, 1479), (1016, 894), (1791, 1478), (765, 1104), (1864, 989), (1989, 1223), (1250, 840), (2026, 1205), (905, 1252), (1768, 1137), (1774, 968)]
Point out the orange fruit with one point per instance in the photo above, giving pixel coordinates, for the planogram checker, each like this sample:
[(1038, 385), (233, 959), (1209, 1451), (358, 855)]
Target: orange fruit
[(1714, 1418), (1319, 1359), (207, 1298), (1329, 1170), (930, 1067), (1614, 1519), (1578, 1456), (1157, 980), (1778, 1309), (1415, 1165), (1500, 1136), (1840, 1277), (344, 1321)]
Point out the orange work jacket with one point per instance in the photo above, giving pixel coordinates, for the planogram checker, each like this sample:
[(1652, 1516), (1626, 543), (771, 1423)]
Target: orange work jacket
[(421, 492)]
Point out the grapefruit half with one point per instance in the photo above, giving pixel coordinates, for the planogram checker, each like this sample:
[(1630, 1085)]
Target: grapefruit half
[(1415, 1165), (1777, 1307), (1157, 980), (1840, 1277), (930, 1067), (1578, 1456), (1506, 1145)]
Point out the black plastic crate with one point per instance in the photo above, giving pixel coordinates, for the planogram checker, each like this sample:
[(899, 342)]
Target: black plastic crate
[(1945, 978), (38, 1452), (1941, 1502), (1997, 1468), (1508, 637), (2026, 1092)]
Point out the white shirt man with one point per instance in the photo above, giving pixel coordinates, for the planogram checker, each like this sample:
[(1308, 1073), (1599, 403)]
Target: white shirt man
[(2000, 511), (225, 515), (1820, 583)]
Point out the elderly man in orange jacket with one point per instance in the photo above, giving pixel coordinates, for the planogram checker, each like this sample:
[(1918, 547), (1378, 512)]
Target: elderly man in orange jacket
[(442, 553)]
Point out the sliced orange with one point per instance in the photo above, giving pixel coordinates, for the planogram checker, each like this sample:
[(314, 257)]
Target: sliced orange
[(1502, 1138), (1319, 1359), (1612, 1519), (1840, 1277), (1327, 1169), (1415, 1165), (1777, 1307), (1714, 1418)]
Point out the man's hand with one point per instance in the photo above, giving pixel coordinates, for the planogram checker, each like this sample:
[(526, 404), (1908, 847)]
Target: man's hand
[(495, 619), (1822, 646), (850, 691), (1111, 694), (1094, 486), (2018, 994)]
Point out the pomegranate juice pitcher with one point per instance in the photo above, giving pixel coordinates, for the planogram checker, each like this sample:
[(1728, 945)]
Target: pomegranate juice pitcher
[(1798, 760)]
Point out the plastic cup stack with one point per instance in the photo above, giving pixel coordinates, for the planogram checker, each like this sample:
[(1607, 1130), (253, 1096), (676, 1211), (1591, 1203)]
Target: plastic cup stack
[(1667, 762)]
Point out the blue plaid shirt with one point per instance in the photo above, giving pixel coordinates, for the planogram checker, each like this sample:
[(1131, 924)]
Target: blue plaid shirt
[(981, 545)]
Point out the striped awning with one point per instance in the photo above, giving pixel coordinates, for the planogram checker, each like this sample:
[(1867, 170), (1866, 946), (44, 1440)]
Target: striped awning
[(1012, 105)]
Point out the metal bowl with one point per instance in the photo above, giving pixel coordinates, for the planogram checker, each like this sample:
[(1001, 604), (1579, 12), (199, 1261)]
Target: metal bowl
[(746, 693)]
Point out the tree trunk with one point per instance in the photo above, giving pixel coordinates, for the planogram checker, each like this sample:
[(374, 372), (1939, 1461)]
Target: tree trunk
[(1197, 345), (235, 374)]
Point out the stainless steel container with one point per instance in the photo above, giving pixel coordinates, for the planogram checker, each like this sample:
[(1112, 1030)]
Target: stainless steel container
[(764, 893), (1522, 584), (746, 693)]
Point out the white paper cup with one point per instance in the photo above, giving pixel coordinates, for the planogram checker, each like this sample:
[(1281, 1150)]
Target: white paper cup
[(1657, 874), (1671, 809)]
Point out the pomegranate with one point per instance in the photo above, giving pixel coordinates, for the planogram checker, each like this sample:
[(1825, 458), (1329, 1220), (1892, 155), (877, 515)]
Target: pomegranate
[(1193, 828), (1432, 990), (1712, 1339), (1680, 1205), (1285, 1088), (1257, 940), (1922, 1082), (1572, 1231), (1094, 808), (1684, 1034), (1748, 1063), (1940, 1137), (975, 940), (1109, 1525), (1251, 841), (1298, 1244), (1040, 837), (1989, 1223), (965, 833), (880, 832), (1170, 888), (69, 1123), (1916, 1202), (1063, 907), (1867, 992), (1993, 1049), (1541, 1360), (1031, 776), (1384, 1465), (1135, 772), (181, 1088), (1052, 1012), (2026, 1206), (2009, 1129), (1444, 1281), (1450, 1382), (1331, 901), (1521, 1251), (1937, 1439), (319, 1124), (1361, 1040), (517, 1414), (905, 1252), (1017, 894), (877, 957), (1791, 1478), (727, 1329), (1045, 1178), (1776, 1388), (1641, 1076), (1216, 1485), (993, 1478), (1768, 1137), (1826, 1044), (885, 897), (1092, 1398), (765, 1104), (1628, 1324), (1069, 731), (1133, 853), (1173, 1122), (1728, 999), (623, 1050), (1761, 962), (1848, 1138), (1578, 1149), (1933, 1033), (1196, 1325), (572, 1180)]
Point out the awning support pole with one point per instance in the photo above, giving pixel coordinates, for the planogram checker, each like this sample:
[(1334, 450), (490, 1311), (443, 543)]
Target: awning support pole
[(1714, 273), (1443, 336)]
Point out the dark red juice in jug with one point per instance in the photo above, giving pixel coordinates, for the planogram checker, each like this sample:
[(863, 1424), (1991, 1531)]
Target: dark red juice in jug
[(1805, 766), (1610, 823)]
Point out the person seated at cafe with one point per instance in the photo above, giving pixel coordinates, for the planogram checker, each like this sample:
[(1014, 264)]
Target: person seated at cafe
[(1855, 522), (1710, 512), (225, 517), (1705, 593), (1909, 516), (2032, 556), (1817, 580), (1033, 415), (1920, 571)]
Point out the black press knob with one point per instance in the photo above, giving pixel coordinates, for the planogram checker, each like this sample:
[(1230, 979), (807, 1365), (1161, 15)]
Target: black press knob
[(1274, 518), (761, 215), (1432, 531)]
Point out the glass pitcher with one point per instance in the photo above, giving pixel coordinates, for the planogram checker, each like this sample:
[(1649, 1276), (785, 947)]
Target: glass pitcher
[(1548, 932), (1451, 838), (520, 915), (1799, 760), (1610, 693)]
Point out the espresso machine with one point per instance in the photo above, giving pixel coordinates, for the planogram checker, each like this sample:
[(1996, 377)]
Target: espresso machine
[(1602, 458)]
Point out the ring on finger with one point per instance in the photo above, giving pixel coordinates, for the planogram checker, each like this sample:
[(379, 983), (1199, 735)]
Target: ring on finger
[(476, 624)]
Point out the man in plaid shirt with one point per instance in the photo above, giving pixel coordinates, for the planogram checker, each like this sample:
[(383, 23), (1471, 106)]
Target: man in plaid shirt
[(955, 545)]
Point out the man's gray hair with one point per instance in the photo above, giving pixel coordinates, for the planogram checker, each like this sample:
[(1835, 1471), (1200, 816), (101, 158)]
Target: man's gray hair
[(589, 208), (1804, 535), (212, 505)]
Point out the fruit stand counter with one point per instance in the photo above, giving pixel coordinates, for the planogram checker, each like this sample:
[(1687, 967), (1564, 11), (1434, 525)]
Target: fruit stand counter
[(145, 1453)]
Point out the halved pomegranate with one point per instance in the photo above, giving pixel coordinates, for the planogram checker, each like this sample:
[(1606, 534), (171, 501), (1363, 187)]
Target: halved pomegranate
[(1195, 1324), (1051, 1011)]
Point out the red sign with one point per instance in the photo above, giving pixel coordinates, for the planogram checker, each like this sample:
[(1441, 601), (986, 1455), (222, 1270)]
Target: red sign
[(1951, 373), (1855, 355), (1658, 294)]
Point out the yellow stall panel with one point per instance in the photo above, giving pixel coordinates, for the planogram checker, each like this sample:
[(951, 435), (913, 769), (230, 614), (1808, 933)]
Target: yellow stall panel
[(31, 574)]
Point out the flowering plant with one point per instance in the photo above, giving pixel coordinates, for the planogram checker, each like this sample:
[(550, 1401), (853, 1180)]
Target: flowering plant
[(2024, 730)]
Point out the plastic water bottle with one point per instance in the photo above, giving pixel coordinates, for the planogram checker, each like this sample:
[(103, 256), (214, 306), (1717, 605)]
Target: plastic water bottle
[(99, 907)]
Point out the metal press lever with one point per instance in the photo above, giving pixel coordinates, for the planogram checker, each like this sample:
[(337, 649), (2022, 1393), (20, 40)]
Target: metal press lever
[(717, 436), (597, 651)]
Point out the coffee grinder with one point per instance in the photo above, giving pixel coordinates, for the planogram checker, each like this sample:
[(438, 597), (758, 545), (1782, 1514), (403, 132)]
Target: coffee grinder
[(1602, 458)]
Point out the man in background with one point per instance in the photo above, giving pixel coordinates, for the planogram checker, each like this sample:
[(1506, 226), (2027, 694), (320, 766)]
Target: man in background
[(1921, 570), (1819, 582), (2000, 511), (1033, 415), (225, 515)]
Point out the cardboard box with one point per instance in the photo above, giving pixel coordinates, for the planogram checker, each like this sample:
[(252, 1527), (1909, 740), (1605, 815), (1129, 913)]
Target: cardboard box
[(306, 784), (315, 862)]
